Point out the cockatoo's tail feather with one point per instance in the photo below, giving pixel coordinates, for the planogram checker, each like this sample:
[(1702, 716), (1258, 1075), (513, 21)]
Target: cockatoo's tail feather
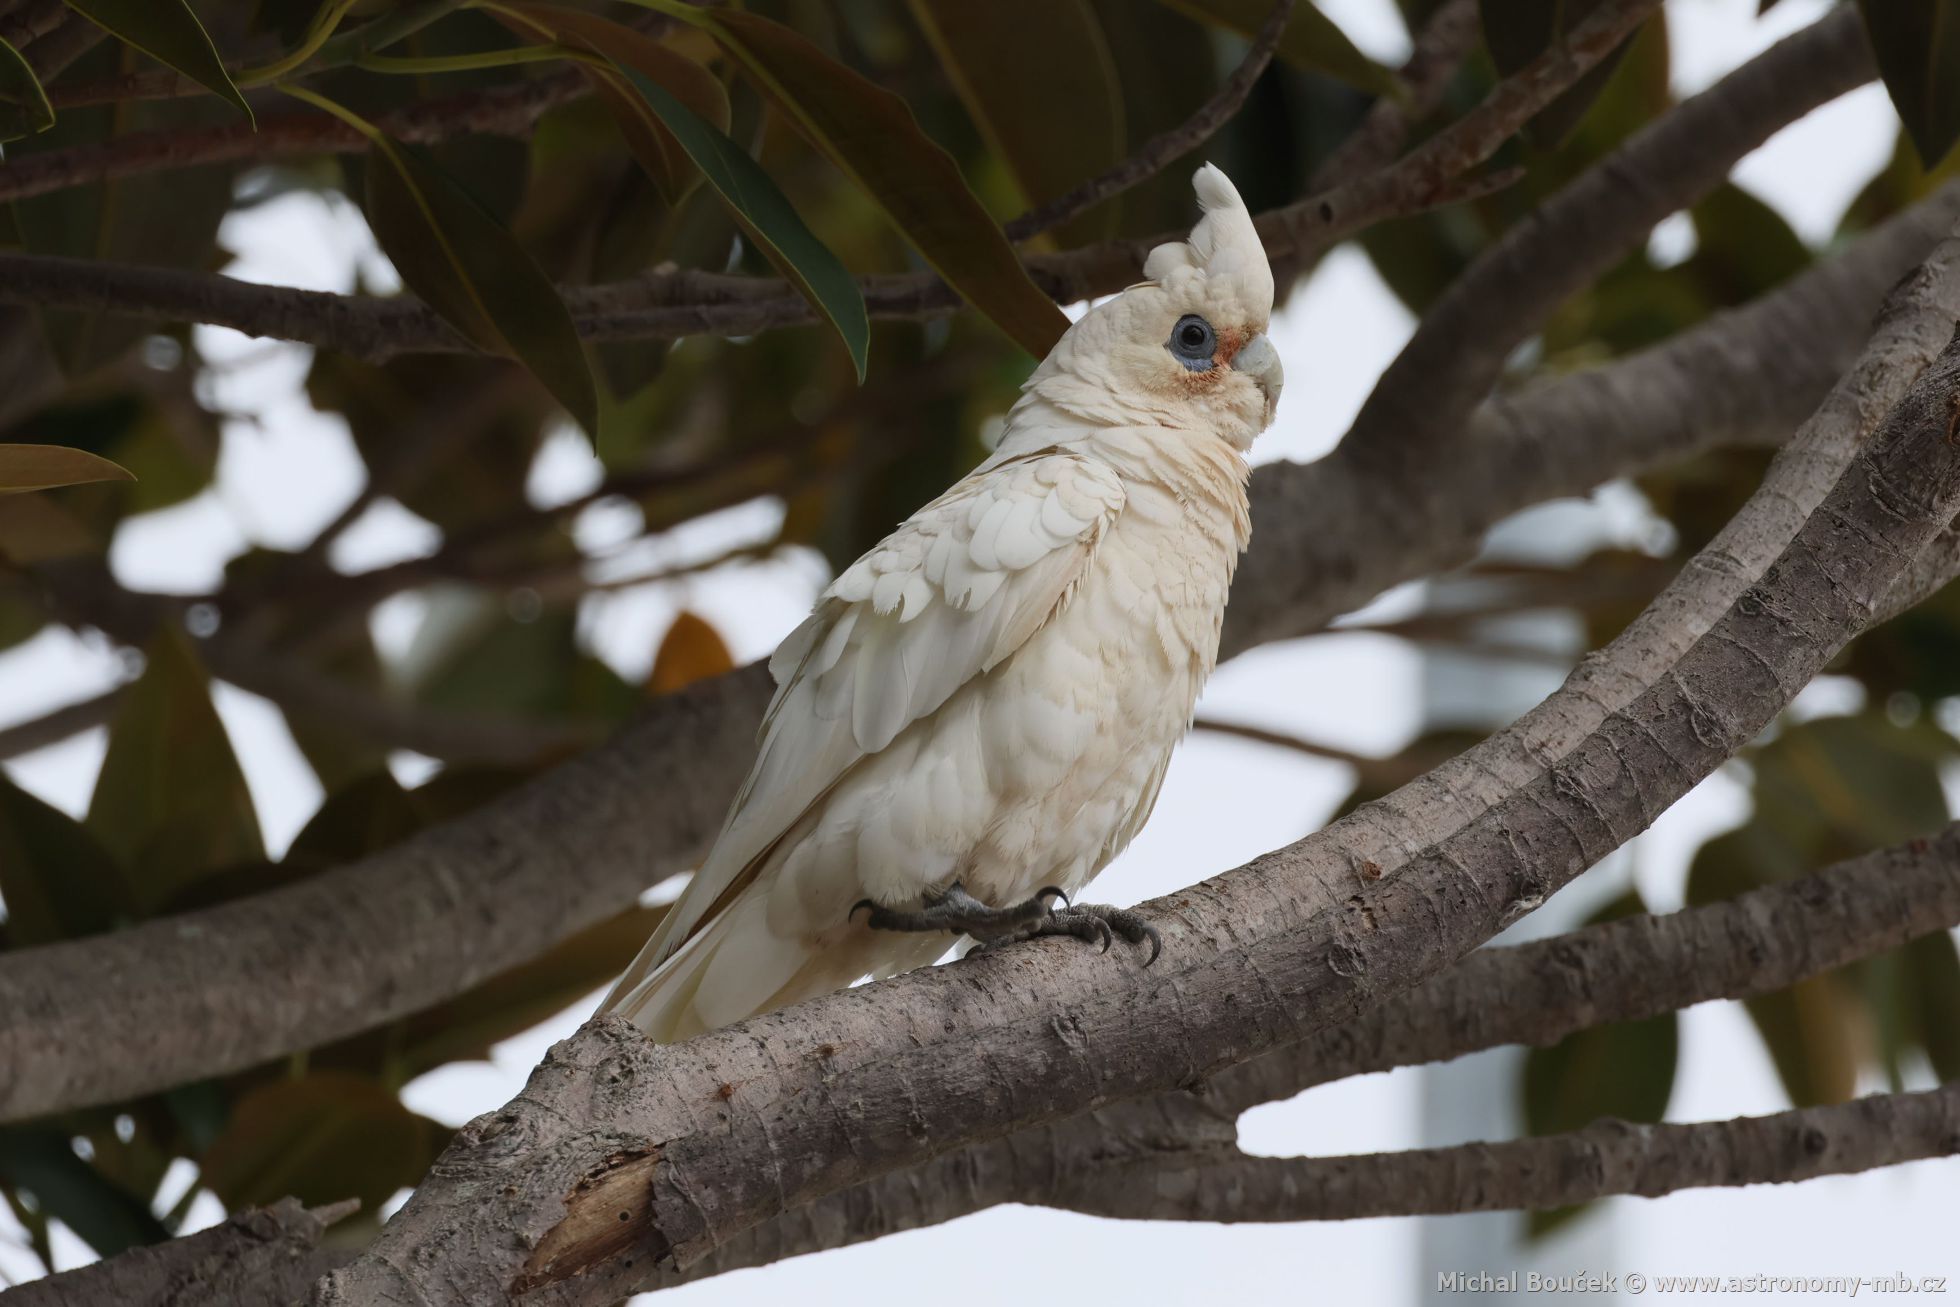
[(989, 698)]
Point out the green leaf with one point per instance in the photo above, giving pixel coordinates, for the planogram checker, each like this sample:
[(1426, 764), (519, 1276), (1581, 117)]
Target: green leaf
[(994, 52), (1918, 47), (652, 143), (469, 269), (40, 467), (109, 1219), (766, 215), (1743, 246), (169, 33), (170, 801), (1312, 40), (1624, 1071), (24, 107), (57, 881), (362, 818), (1518, 31), (872, 136), (321, 1137)]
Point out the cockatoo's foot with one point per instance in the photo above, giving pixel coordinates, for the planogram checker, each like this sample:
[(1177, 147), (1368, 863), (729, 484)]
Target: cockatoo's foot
[(960, 913), (1090, 922)]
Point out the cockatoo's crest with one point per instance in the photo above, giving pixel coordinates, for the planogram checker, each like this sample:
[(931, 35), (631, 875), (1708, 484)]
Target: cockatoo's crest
[(1224, 246)]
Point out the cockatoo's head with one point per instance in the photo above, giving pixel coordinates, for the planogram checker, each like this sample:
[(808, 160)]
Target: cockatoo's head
[(1187, 347)]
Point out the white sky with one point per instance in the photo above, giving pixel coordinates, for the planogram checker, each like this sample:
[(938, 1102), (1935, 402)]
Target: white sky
[(283, 477)]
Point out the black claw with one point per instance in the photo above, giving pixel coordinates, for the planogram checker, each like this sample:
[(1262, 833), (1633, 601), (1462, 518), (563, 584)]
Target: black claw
[(861, 903), (1058, 892), (1156, 944)]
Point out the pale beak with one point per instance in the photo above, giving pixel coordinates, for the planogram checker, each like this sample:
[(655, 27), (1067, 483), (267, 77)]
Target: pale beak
[(1260, 361)]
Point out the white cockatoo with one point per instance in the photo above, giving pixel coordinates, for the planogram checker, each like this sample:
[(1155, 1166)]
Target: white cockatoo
[(977, 716)]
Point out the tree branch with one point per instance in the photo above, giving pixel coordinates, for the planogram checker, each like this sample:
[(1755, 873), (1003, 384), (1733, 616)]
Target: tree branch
[(1459, 349), (1332, 535), (1160, 151), (262, 1258), (378, 939), (702, 1140), (1605, 1158), (499, 111), (1440, 48), (671, 305), (1535, 993)]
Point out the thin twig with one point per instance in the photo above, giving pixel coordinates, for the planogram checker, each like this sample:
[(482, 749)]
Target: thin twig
[(691, 303), (58, 724), (1165, 148)]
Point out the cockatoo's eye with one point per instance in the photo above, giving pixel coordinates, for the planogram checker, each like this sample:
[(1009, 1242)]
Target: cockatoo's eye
[(1192, 342)]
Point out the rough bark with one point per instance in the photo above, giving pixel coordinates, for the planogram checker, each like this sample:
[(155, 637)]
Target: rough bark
[(1535, 993), (262, 1258), (734, 1127), (1605, 1158), (423, 921)]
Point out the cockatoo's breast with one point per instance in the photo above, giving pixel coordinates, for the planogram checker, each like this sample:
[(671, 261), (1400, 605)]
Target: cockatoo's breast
[(1041, 771)]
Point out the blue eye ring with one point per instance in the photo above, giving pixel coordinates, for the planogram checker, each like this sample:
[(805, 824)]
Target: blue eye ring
[(1193, 342)]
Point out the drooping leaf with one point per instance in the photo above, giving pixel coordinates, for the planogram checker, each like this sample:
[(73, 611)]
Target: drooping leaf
[(169, 33), (1624, 1071), (1918, 47), (691, 651), (1743, 247), (39, 467), (872, 136), (370, 814), (653, 144), (170, 801), (34, 529), (321, 1137), (57, 881), (994, 53), (24, 107), (164, 218), (109, 1219), (1312, 40), (766, 215), (1518, 31), (468, 268)]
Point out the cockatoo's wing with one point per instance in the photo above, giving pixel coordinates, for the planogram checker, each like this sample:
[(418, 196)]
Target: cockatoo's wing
[(946, 597)]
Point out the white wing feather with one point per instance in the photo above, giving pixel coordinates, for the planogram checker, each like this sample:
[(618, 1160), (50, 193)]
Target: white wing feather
[(959, 586)]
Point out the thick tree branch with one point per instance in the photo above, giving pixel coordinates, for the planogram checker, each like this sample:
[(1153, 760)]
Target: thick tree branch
[(706, 1139), (1330, 536), (1535, 993), (381, 938), (262, 1258), (1459, 349), (671, 305)]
